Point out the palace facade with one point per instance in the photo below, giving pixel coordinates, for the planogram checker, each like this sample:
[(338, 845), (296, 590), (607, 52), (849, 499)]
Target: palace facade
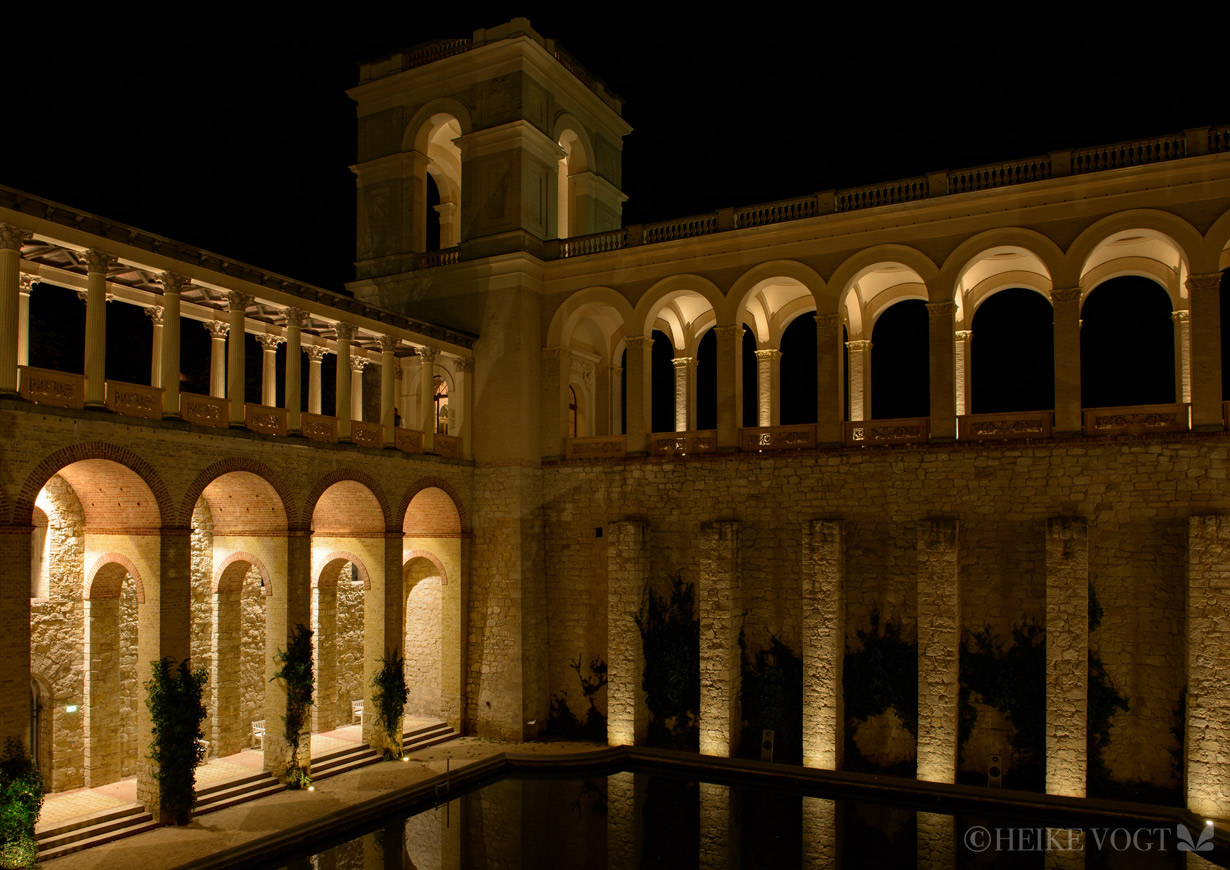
[(489, 496)]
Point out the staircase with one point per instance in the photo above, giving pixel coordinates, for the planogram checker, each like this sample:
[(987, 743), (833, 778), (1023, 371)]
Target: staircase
[(225, 794), (428, 735), (94, 831), (342, 760)]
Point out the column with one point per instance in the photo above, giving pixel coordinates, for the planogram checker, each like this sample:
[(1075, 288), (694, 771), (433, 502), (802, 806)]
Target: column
[(465, 375), (1067, 654), (25, 286), (602, 399), (617, 400), (627, 570), (449, 231), (1204, 295), (719, 844), (358, 362), (15, 542), (1182, 356), (388, 368), (860, 379), (685, 393), (720, 604), (640, 392), (217, 358), (729, 385), (824, 643), (172, 286), (821, 841), (343, 333), (556, 368), (237, 304), (943, 388), (427, 396), (11, 239), (1208, 662), (939, 646), (97, 263), (269, 369), (1067, 307), (154, 313), (768, 387), (936, 841), (294, 363), (315, 354), (623, 846), (830, 399), (965, 400)]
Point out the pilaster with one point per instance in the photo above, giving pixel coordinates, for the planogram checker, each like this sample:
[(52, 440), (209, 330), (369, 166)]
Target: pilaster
[(939, 642), (830, 398), (1067, 311), (942, 376), (1067, 655), (768, 387), (1204, 292), (964, 347), (685, 393), (640, 392), (824, 643), (556, 366), (26, 287), (627, 572), (729, 385), (720, 603), (860, 379)]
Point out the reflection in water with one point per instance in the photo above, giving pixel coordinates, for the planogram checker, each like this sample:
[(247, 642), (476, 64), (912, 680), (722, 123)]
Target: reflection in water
[(639, 820)]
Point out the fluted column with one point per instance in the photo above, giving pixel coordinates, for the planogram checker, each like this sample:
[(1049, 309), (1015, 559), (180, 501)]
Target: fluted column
[(465, 375), (1204, 294), (768, 387), (640, 392), (26, 285), (97, 263), (1182, 355), (269, 368), (1067, 312), (315, 354), (860, 379), (294, 363), (172, 286), (343, 333), (154, 313), (940, 369), (10, 288), (685, 393), (357, 364), (830, 399), (237, 304), (965, 396), (729, 385), (427, 396), (217, 357), (388, 368)]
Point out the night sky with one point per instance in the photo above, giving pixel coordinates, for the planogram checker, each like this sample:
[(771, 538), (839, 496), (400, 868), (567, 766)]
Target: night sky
[(243, 148)]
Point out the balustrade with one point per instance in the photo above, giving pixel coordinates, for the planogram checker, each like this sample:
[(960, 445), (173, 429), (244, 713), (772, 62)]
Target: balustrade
[(682, 443), (448, 446), (46, 387), (595, 447), (683, 228), (1003, 427), (908, 430), (1128, 154), (408, 440), (891, 193), (204, 410), (263, 418), (763, 438), (1137, 419), (318, 427), (367, 434), (134, 400)]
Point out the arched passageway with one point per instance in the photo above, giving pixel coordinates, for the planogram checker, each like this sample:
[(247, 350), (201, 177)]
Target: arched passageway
[(900, 385), (1127, 344), (338, 598), (1012, 353)]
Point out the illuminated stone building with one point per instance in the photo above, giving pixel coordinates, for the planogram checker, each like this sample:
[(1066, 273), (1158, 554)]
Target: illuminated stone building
[(508, 526)]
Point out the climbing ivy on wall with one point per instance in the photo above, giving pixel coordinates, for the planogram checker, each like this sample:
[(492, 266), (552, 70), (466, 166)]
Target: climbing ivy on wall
[(1011, 679), (296, 672), (175, 697), (564, 723), (670, 637), (772, 697), (389, 694), (882, 673), (21, 799)]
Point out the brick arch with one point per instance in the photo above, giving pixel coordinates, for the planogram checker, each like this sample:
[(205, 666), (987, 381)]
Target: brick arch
[(343, 556), (226, 466), (23, 507), (430, 557), (243, 556), (111, 583), (350, 474), (434, 483)]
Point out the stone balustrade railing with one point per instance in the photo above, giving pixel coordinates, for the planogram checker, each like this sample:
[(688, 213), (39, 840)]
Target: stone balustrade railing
[(1211, 140), (442, 257), (204, 410), (761, 438), (319, 427), (367, 434), (262, 418), (1004, 427), (448, 446), (865, 433), (47, 387), (408, 440), (595, 447), (682, 443), (134, 400), (1138, 419)]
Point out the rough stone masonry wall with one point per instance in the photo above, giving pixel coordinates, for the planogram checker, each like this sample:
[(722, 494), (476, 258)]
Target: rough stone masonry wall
[(1134, 493), (252, 677), (423, 644), (349, 647), (131, 682), (201, 547), (57, 633)]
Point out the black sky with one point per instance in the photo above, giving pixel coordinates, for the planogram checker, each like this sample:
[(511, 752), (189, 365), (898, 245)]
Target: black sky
[(243, 148)]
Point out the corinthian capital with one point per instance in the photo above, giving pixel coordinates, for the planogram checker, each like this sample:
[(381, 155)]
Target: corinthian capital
[(98, 261), (941, 309), (295, 318), (343, 331), (11, 237), (270, 342), (217, 329), (173, 283), (429, 354), (237, 301), (358, 363), (389, 343), (315, 352)]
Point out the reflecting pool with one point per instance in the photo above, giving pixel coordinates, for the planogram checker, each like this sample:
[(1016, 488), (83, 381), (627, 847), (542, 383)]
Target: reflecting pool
[(651, 820)]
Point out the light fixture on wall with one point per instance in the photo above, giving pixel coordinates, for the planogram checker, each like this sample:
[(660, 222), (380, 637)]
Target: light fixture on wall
[(71, 708)]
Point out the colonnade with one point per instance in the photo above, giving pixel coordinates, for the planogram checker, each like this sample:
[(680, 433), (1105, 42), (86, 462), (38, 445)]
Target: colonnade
[(228, 352)]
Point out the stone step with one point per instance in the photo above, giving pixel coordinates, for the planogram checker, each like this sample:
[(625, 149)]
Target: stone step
[(111, 815), (222, 785), (234, 793), (341, 762), (94, 833), (431, 735)]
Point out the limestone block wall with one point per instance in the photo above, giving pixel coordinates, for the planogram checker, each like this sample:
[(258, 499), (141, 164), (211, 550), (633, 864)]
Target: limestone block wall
[(1001, 497), (350, 685), (324, 657), (1208, 659), (132, 679), (424, 643), (720, 605), (57, 634), (939, 634), (202, 554), (423, 841), (239, 675), (823, 643)]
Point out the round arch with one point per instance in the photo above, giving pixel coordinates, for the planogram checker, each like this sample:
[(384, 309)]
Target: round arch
[(656, 297), (129, 513), (757, 277), (426, 483), (110, 579), (240, 557), (866, 261), (572, 309), (975, 248), (334, 508), (223, 467), (1159, 225), (334, 559), (414, 136)]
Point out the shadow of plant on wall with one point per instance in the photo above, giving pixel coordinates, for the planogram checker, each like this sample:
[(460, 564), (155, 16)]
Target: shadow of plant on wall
[(175, 697), (564, 723), (879, 677), (670, 635), (771, 696), (296, 672)]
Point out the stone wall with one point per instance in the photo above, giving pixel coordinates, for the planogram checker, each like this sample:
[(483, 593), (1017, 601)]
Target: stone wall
[(423, 640), (349, 647), (202, 601), (57, 654), (1135, 495)]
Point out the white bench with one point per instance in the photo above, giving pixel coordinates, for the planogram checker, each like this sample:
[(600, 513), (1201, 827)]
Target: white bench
[(356, 711), (258, 733)]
